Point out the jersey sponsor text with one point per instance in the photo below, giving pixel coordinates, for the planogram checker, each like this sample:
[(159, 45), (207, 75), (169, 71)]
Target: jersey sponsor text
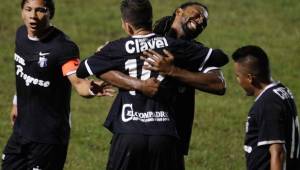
[(128, 114)]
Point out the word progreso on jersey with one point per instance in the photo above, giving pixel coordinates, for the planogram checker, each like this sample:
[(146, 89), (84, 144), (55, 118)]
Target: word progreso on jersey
[(27, 78)]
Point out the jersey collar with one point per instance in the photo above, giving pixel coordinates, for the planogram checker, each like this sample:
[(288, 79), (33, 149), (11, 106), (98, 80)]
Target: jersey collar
[(266, 88), (143, 36), (43, 37)]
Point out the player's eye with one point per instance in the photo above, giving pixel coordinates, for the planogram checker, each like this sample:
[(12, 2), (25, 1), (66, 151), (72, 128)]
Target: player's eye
[(196, 16), (41, 9), (27, 9)]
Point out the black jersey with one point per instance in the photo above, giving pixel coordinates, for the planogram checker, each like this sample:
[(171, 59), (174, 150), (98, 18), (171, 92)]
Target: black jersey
[(184, 108), (43, 92), (272, 119), (132, 112), (184, 103)]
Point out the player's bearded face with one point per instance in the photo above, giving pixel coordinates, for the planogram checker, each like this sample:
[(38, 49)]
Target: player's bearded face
[(193, 24), (191, 29)]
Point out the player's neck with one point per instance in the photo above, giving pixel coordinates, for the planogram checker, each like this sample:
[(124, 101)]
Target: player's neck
[(39, 34), (142, 31), (261, 88), (177, 27)]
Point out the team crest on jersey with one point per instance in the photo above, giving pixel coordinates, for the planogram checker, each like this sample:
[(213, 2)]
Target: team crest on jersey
[(42, 59), (37, 168)]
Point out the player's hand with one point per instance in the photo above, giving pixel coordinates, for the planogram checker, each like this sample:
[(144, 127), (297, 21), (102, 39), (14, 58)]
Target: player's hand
[(158, 62), (13, 114), (101, 46), (101, 88), (150, 86)]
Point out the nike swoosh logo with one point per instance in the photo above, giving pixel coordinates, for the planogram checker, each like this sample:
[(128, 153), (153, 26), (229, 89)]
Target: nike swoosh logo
[(43, 54)]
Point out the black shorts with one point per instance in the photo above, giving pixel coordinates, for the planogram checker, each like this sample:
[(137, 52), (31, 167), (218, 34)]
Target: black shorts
[(180, 161), (22, 154), (142, 152)]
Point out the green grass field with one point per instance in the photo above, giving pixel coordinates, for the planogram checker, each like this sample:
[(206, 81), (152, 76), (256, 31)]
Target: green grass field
[(218, 132)]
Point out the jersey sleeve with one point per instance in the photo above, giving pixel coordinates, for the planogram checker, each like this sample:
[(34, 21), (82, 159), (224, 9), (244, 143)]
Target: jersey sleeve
[(216, 59), (196, 57), (99, 63), (270, 123), (70, 67), (69, 51)]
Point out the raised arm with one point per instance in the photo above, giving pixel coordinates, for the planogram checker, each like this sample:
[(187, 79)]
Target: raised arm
[(211, 81), (148, 87), (83, 87)]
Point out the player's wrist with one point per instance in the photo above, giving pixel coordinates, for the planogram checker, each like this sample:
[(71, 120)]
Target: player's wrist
[(171, 70), (90, 90), (138, 85)]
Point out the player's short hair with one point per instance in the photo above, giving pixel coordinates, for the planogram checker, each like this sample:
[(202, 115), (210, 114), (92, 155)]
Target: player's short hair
[(48, 3), (163, 25), (255, 59), (187, 4), (137, 12)]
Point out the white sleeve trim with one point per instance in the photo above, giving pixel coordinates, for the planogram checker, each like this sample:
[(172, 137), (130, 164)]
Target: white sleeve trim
[(71, 72), (205, 60), (88, 68), (210, 68), (15, 100), (270, 142)]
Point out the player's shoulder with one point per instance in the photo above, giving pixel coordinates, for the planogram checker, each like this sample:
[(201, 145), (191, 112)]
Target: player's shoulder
[(21, 29), (281, 92), (21, 32), (115, 47), (276, 93), (62, 40)]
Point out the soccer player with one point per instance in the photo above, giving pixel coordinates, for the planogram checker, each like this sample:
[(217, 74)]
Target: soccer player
[(45, 63), (144, 131), (187, 22), (272, 127)]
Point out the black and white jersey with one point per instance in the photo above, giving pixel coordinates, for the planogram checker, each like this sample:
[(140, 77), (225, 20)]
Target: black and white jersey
[(272, 120), (184, 103), (132, 112), (43, 92), (184, 107)]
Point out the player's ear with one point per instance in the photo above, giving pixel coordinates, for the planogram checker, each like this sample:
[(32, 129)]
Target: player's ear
[(125, 27), (179, 12), (129, 28), (251, 78)]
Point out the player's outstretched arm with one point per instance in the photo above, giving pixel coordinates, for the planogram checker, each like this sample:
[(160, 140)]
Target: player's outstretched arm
[(88, 88), (277, 156), (211, 82), (147, 87)]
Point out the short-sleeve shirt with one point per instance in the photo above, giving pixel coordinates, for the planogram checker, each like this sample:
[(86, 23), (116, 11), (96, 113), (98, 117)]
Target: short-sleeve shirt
[(184, 106), (132, 112), (272, 120), (43, 92)]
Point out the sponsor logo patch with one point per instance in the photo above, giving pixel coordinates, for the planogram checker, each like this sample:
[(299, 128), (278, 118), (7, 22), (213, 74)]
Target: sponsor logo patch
[(128, 114)]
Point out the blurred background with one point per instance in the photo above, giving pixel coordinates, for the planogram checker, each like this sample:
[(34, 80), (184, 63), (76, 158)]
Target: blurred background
[(218, 132)]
